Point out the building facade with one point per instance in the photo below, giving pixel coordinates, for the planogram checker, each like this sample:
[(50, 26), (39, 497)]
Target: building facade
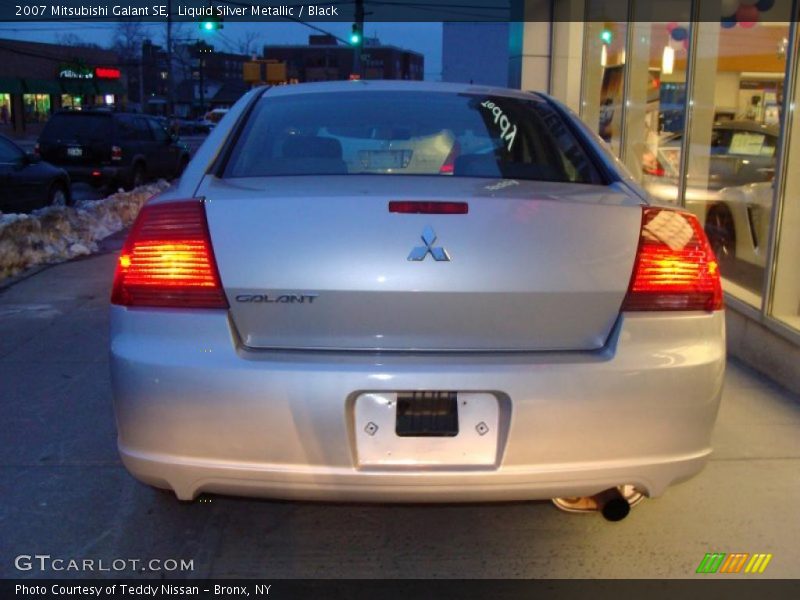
[(148, 81), (207, 79), (702, 107), (37, 79), (323, 59)]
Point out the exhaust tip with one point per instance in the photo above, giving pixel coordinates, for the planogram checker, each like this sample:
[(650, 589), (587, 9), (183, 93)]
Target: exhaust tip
[(614, 503), (616, 509)]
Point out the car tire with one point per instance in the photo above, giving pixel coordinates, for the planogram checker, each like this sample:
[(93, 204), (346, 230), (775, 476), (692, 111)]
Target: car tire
[(58, 195), (721, 232), (138, 176)]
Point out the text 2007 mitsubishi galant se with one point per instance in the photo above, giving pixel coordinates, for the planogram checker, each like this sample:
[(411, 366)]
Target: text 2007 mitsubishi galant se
[(397, 291)]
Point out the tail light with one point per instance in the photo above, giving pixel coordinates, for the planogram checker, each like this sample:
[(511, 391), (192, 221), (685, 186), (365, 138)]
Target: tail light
[(37, 149), (675, 267), (449, 165), (116, 153), (168, 260)]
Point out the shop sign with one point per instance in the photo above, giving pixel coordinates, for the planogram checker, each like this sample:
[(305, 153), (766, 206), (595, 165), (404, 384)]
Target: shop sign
[(107, 73), (75, 72)]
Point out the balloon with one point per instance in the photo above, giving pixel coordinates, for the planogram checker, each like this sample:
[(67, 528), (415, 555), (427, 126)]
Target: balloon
[(765, 5), (747, 16), (671, 27), (679, 34), (728, 22), (729, 7)]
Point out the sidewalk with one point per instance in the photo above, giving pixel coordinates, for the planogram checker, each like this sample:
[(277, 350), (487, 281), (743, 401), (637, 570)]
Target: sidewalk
[(65, 492)]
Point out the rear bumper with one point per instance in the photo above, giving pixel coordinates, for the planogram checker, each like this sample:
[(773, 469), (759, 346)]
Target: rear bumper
[(197, 412), (96, 175)]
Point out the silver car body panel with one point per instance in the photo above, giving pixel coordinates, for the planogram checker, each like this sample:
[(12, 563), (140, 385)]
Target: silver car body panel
[(575, 396), (554, 260), (198, 412)]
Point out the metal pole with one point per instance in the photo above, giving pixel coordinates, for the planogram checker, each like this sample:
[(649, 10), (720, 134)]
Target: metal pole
[(201, 51), (357, 51), (141, 78), (170, 106)]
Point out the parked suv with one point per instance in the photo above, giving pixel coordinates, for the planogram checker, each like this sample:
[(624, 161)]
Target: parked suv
[(111, 148)]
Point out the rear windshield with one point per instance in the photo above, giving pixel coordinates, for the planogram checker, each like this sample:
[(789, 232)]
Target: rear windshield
[(409, 133), (78, 127)]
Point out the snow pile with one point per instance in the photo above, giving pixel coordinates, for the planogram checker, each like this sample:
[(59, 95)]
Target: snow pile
[(58, 233)]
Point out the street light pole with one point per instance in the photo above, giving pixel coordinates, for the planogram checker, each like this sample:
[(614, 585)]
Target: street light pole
[(170, 89), (359, 18)]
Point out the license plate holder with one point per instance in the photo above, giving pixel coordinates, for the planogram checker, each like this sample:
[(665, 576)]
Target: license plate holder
[(427, 414), (379, 445)]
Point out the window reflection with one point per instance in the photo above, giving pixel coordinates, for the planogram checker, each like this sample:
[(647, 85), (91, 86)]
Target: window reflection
[(657, 103), (604, 76), (738, 92)]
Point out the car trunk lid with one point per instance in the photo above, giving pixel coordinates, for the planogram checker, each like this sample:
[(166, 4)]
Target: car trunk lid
[(321, 262)]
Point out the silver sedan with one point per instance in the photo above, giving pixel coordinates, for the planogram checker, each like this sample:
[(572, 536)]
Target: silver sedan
[(397, 291)]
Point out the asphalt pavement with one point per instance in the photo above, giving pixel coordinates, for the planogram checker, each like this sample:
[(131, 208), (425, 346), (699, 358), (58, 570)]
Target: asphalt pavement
[(65, 494)]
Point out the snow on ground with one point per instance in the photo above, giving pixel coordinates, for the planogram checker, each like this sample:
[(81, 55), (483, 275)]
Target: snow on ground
[(57, 233)]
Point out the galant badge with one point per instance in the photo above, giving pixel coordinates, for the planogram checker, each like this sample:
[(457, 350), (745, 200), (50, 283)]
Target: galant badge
[(437, 252)]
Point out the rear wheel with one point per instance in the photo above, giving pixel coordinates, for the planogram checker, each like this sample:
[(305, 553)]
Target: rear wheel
[(721, 232), (58, 195), (137, 176)]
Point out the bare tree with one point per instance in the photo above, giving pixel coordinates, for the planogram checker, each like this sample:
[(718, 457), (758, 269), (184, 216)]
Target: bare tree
[(127, 41), (248, 42), (70, 39)]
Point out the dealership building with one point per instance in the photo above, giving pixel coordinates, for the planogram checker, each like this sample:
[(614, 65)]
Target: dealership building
[(703, 110), (699, 99), (37, 79)]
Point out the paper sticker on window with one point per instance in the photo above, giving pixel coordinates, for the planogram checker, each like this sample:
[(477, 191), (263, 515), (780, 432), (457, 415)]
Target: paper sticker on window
[(508, 131), (744, 142)]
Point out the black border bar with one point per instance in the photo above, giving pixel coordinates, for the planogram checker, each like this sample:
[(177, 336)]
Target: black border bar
[(278, 11), (710, 587)]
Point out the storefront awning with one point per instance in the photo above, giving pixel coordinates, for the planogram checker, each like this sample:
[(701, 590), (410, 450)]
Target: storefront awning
[(10, 85), (41, 86), (109, 86), (78, 87)]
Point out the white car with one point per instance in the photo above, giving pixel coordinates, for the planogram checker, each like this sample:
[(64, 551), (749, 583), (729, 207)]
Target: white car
[(737, 225), (291, 322)]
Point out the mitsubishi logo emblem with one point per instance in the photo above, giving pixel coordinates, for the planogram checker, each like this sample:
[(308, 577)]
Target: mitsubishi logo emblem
[(437, 252)]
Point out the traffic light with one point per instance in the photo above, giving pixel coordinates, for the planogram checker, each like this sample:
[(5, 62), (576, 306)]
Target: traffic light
[(210, 24), (356, 35), (606, 36)]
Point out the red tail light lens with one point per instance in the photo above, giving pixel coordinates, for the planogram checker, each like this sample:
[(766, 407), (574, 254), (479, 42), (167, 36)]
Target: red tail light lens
[(428, 208), (675, 267), (168, 260), (116, 153), (449, 165)]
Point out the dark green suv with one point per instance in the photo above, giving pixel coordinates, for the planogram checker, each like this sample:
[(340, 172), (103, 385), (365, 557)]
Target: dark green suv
[(111, 148)]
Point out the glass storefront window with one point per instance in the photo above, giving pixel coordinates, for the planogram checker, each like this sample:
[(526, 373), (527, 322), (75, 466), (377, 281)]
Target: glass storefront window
[(604, 77), (69, 101), (656, 100), (5, 109), (786, 294), (737, 91), (37, 107)]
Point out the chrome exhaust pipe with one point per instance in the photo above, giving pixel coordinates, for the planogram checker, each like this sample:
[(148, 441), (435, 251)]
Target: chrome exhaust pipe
[(614, 504)]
